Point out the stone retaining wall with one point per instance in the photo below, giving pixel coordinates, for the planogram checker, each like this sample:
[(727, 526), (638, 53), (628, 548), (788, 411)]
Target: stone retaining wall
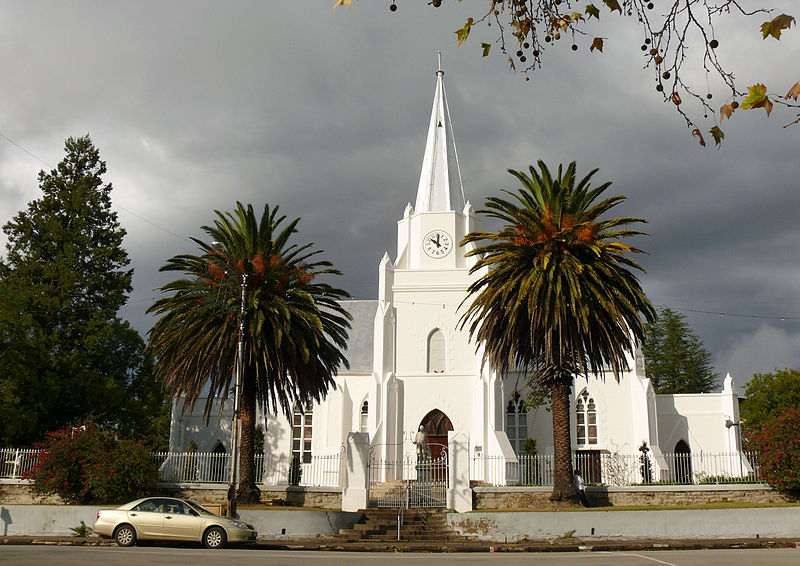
[(603, 496), (484, 498), (292, 496), (17, 492)]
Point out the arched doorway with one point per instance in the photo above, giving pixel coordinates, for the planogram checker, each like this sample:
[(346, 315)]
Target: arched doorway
[(436, 425), (682, 463)]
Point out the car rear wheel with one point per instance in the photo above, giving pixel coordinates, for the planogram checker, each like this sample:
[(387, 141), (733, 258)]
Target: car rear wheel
[(125, 535), (214, 537)]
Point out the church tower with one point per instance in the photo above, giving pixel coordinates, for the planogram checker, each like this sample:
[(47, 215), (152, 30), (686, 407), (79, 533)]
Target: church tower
[(427, 372)]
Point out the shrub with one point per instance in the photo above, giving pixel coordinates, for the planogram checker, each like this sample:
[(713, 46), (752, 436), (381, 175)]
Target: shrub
[(778, 443), (645, 466), (88, 464), (295, 470)]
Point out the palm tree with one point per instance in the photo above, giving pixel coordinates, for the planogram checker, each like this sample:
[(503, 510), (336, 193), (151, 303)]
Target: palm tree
[(558, 295), (295, 326)]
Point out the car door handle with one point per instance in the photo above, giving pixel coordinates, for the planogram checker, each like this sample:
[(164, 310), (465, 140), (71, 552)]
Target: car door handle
[(133, 514), (168, 517)]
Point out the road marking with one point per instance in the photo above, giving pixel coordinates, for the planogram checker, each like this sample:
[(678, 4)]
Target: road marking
[(648, 558)]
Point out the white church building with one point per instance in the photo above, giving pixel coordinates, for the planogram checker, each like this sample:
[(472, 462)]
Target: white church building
[(412, 365)]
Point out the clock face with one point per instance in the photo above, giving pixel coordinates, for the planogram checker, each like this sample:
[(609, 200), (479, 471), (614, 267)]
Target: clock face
[(437, 244)]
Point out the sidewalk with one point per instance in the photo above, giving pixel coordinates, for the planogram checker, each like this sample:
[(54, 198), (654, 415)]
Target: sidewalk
[(559, 545)]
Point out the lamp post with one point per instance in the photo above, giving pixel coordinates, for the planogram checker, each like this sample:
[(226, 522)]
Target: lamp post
[(233, 486)]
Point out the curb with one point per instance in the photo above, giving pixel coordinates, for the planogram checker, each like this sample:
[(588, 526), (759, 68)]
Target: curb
[(453, 546)]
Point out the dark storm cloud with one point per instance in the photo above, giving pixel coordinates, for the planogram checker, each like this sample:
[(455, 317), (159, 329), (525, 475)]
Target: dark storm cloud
[(197, 105)]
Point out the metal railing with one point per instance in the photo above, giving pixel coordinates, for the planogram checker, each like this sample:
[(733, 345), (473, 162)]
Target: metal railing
[(203, 467), (410, 481), (616, 469), (208, 467), (15, 462), (600, 468)]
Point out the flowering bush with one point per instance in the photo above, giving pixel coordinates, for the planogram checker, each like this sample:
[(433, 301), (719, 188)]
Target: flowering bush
[(88, 464), (778, 443)]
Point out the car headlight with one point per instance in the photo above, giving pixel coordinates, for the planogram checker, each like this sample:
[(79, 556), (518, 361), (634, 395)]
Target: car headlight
[(240, 525)]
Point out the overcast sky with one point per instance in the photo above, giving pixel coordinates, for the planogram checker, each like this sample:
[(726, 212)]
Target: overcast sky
[(196, 105)]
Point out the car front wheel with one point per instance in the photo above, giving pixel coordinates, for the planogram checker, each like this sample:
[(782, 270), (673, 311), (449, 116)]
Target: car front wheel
[(125, 535), (214, 537)]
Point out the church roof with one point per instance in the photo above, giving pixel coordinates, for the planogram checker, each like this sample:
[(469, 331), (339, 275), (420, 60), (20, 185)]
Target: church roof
[(361, 337), (440, 186)]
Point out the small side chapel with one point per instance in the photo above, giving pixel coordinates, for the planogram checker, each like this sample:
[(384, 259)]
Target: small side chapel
[(412, 365)]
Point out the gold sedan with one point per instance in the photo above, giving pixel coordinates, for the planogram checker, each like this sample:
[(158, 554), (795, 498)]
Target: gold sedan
[(167, 518)]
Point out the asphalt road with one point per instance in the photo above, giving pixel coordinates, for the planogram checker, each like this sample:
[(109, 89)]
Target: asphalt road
[(40, 555)]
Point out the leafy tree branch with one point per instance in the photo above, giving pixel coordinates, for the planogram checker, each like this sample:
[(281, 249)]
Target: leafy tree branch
[(679, 38)]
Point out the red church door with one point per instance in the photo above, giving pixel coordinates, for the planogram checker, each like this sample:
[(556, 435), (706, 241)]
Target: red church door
[(436, 425)]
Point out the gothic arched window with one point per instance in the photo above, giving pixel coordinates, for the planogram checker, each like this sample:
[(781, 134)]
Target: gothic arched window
[(586, 419), (436, 352), (362, 424), (301, 432), (516, 422)]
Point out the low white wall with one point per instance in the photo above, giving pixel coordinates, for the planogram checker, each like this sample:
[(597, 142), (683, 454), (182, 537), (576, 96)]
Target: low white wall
[(773, 522), (298, 524), (56, 520), (45, 520)]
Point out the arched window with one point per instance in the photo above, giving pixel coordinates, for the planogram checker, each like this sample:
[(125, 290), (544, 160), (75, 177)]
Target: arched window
[(516, 422), (364, 415), (586, 419), (436, 352), (301, 432)]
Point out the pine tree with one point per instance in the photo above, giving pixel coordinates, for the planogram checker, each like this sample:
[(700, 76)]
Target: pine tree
[(65, 356), (675, 358)]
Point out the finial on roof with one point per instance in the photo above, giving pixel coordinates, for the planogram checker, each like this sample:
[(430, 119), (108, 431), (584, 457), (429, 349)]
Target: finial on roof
[(440, 186)]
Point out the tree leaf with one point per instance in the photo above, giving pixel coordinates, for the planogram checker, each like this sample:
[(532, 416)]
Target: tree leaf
[(757, 98), (486, 47), (697, 133), (342, 3), (726, 111), (562, 23), (718, 135), (613, 5), (767, 105), (774, 27), (592, 11), (794, 92), (597, 43), (576, 16), (463, 33)]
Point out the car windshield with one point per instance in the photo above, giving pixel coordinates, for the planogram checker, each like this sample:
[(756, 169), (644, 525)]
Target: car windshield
[(200, 509)]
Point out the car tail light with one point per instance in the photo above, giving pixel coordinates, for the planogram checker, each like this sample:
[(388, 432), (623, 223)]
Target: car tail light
[(98, 515)]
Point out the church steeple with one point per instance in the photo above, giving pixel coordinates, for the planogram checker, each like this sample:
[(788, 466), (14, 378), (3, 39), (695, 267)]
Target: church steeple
[(440, 180)]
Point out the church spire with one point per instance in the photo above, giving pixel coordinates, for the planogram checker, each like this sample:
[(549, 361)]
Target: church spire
[(440, 180)]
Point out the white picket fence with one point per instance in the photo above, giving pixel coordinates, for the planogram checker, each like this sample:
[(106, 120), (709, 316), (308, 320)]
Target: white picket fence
[(622, 469)]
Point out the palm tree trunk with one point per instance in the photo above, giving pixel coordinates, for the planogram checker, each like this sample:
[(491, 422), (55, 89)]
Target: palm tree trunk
[(564, 491), (248, 493)]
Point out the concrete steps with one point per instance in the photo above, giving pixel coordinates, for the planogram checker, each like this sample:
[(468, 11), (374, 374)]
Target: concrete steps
[(417, 525)]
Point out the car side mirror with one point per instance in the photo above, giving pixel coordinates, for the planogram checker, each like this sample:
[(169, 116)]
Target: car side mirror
[(193, 513)]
